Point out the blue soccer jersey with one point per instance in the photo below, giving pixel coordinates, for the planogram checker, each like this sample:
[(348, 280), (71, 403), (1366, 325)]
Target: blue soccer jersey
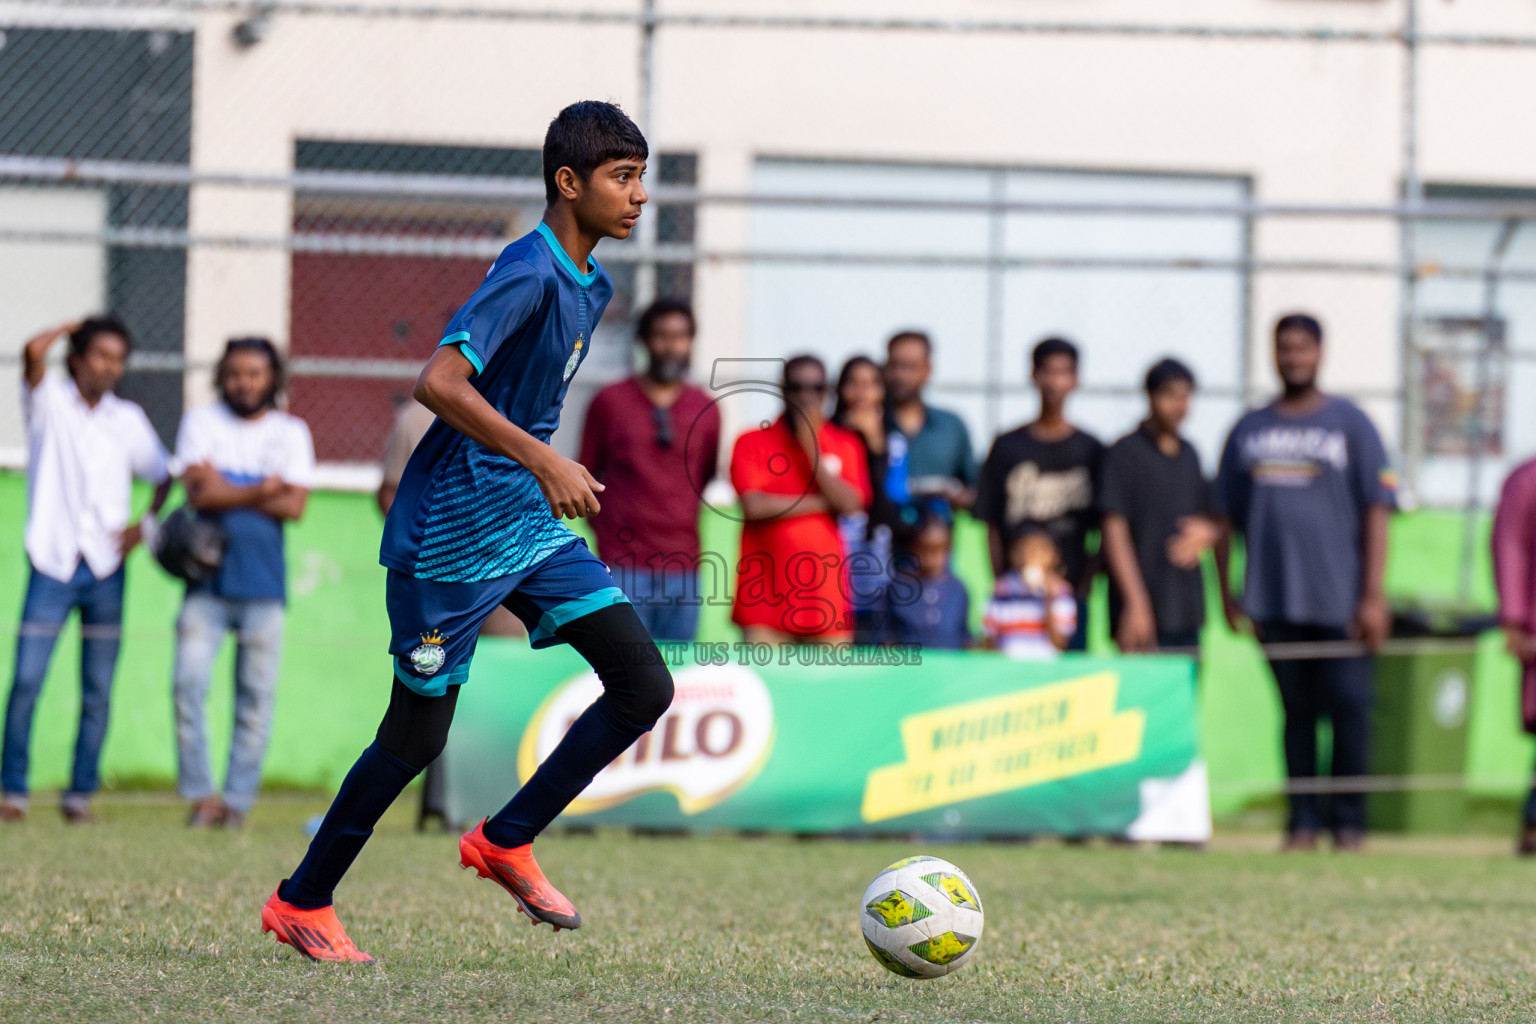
[(463, 513)]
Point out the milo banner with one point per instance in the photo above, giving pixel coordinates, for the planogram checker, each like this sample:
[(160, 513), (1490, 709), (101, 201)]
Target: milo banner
[(855, 740)]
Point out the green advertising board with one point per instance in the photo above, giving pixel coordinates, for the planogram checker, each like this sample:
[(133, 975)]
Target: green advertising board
[(837, 739)]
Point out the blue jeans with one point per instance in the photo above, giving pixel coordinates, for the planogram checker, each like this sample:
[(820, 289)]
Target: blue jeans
[(48, 604), (662, 601), (200, 630)]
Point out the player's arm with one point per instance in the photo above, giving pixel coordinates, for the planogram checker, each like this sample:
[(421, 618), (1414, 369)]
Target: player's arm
[(209, 491), (1138, 629), (837, 495), (34, 354), (288, 502), (444, 387), (1372, 619), (757, 506)]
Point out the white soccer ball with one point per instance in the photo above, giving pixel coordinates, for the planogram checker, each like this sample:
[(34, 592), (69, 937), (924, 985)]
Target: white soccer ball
[(921, 917)]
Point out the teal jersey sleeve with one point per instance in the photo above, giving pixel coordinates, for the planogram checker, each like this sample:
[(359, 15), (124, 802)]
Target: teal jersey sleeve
[(505, 301)]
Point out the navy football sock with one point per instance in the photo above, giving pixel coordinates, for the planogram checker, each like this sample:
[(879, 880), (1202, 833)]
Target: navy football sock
[(596, 738), (370, 787)]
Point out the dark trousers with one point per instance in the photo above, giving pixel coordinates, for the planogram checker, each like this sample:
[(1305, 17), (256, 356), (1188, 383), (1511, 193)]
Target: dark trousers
[(1340, 690), (1530, 805)]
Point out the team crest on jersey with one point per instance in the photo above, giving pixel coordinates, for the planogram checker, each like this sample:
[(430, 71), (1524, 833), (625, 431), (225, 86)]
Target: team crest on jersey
[(571, 363), (429, 657)]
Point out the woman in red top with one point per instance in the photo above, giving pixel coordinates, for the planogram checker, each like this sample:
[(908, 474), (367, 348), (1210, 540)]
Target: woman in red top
[(795, 477)]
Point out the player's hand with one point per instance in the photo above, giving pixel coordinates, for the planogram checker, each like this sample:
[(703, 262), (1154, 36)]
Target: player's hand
[(1196, 535), (198, 475), (1237, 622), (1372, 622), (570, 490), (1519, 643), (1138, 632), (129, 539)]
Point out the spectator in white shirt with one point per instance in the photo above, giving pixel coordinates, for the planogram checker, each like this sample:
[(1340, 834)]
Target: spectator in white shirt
[(85, 446), (248, 465)]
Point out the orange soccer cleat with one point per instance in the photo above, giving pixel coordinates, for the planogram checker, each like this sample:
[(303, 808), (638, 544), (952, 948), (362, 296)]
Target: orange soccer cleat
[(516, 871), (315, 933)]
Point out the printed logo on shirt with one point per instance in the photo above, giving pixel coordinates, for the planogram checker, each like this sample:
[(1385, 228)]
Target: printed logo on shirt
[(571, 363), (1295, 447), (429, 657), (1038, 496)]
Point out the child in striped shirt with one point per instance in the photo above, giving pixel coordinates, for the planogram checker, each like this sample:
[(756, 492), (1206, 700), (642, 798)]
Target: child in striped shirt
[(1032, 613)]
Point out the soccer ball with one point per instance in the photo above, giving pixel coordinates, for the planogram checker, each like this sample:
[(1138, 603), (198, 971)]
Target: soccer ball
[(921, 917)]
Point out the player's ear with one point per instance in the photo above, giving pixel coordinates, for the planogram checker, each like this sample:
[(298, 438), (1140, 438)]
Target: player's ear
[(568, 184)]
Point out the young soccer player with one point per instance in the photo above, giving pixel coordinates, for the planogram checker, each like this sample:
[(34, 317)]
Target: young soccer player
[(476, 523)]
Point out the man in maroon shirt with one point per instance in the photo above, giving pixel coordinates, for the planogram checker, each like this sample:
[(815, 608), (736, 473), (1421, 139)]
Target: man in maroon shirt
[(653, 441)]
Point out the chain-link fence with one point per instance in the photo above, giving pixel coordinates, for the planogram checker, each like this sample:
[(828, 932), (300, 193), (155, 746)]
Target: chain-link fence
[(299, 170)]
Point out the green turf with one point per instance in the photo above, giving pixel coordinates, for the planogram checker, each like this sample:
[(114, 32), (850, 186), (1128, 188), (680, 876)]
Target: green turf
[(137, 918)]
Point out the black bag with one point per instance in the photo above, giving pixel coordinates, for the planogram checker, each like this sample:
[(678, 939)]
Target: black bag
[(188, 546)]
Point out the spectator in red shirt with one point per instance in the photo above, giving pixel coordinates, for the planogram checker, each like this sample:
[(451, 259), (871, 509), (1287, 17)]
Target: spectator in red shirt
[(795, 477), (653, 440)]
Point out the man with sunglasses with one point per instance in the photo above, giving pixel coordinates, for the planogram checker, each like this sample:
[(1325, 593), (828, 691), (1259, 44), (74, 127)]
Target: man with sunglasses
[(653, 441)]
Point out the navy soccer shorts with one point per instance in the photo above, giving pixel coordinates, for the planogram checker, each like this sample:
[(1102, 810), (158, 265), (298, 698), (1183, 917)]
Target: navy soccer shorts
[(434, 624)]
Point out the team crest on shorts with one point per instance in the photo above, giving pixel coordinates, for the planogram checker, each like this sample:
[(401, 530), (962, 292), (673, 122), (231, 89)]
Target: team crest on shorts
[(571, 363), (429, 657)]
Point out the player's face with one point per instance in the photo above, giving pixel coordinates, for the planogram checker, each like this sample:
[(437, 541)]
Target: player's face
[(1297, 357), (100, 368), (1056, 379), (246, 382), (932, 548), (806, 392), (670, 346), (864, 389), (610, 203), (906, 371), (1170, 405)]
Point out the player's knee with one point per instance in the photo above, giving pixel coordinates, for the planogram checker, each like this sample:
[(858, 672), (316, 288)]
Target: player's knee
[(652, 693)]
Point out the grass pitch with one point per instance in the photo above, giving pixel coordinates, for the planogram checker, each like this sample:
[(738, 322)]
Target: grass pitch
[(139, 918)]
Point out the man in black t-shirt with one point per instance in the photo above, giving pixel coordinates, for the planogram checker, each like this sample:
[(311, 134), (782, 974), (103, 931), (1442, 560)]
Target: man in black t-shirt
[(1159, 518), (1043, 475)]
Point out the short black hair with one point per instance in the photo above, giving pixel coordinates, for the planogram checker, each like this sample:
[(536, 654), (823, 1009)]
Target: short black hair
[(266, 348), (92, 327), (1300, 322), (918, 336), (586, 135), (664, 306), (1052, 347), (1168, 371)]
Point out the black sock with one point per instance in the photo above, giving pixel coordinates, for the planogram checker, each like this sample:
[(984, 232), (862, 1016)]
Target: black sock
[(370, 787), (596, 738)]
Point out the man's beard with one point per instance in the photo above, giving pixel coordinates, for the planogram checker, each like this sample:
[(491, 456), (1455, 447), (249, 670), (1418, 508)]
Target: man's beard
[(246, 410), (1300, 387), (667, 370)]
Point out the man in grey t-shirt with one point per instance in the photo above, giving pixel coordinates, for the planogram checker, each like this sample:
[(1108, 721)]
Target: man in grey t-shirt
[(1307, 482)]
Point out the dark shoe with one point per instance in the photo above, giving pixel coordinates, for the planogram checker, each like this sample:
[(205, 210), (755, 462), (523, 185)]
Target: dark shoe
[(11, 813), (232, 818), (1349, 840), (1300, 840), (206, 813), (78, 814), (1526, 847)]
